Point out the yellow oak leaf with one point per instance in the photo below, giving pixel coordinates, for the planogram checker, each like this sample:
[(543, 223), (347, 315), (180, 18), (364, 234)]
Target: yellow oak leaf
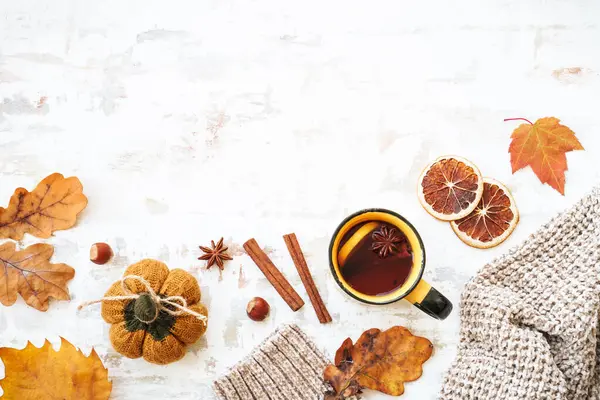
[(542, 145), (30, 273), (43, 373), (379, 360), (52, 206)]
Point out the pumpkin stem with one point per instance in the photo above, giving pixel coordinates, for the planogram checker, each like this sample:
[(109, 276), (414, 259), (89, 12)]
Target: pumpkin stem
[(145, 309)]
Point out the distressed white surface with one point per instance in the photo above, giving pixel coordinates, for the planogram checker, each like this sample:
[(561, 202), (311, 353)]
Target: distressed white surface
[(191, 120)]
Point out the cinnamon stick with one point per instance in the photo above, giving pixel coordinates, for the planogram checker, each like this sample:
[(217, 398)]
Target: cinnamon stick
[(300, 262), (264, 263)]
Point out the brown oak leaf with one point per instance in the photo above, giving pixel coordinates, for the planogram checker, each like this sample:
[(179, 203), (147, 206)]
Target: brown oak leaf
[(542, 145), (52, 206), (379, 360), (43, 373), (30, 273)]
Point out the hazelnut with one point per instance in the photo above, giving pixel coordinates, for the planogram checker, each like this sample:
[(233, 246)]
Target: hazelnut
[(100, 253), (257, 309)]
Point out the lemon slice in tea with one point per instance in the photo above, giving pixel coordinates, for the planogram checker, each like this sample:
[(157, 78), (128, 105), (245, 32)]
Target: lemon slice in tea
[(492, 221), (450, 188), (355, 240)]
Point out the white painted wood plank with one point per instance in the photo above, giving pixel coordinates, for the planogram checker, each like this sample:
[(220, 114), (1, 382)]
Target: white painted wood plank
[(187, 121)]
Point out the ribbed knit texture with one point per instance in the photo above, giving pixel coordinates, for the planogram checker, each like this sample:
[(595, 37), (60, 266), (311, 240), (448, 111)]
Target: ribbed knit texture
[(286, 366), (529, 319), (135, 340)]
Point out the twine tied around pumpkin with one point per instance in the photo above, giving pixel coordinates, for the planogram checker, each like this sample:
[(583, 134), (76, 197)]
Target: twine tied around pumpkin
[(151, 304)]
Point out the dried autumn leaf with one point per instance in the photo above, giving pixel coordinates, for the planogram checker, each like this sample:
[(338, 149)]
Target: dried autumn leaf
[(30, 273), (379, 360), (52, 206), (542, 146), (43, 373)]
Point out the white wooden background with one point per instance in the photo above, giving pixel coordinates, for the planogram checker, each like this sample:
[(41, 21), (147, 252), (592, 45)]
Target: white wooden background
[(191, 120)]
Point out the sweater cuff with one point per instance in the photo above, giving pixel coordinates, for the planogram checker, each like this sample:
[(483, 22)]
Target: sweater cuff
[(286, 365)]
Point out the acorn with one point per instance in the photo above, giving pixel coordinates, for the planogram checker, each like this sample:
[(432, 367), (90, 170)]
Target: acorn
[(257, 309), (100, 253)]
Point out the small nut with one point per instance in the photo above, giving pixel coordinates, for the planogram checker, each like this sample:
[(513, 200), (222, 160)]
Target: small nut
[(257, 309), (100, 253)]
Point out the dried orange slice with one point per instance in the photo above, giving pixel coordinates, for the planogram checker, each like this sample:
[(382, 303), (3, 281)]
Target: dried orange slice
[(450, 188), (492, 221)]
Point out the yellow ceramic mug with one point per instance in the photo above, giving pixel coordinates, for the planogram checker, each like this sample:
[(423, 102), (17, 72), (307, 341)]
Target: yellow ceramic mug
[(414, 289)]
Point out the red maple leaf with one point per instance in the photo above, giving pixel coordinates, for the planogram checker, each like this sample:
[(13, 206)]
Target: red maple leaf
[(542, 145)]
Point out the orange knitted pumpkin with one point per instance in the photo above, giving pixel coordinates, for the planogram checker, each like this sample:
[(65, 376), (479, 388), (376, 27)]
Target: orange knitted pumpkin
[(139, 329)]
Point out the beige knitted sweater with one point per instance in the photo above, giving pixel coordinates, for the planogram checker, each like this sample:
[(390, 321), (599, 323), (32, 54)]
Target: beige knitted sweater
[(287, 365), (529, 319)]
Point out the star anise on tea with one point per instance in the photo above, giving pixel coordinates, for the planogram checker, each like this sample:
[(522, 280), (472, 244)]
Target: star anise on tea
[(386, 241), (216, 254)]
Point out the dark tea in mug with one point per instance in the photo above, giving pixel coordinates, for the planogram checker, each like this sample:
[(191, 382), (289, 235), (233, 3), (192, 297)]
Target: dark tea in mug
[(377, 258)]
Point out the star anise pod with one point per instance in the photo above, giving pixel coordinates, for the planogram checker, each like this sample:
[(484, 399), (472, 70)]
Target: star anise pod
[(386, 241), (215, 255)]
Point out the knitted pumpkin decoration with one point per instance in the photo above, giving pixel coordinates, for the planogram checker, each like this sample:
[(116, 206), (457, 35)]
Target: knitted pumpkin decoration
[(154, 324)]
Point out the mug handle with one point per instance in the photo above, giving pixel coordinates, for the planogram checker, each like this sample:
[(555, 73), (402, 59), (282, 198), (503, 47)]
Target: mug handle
[(427, 299)]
